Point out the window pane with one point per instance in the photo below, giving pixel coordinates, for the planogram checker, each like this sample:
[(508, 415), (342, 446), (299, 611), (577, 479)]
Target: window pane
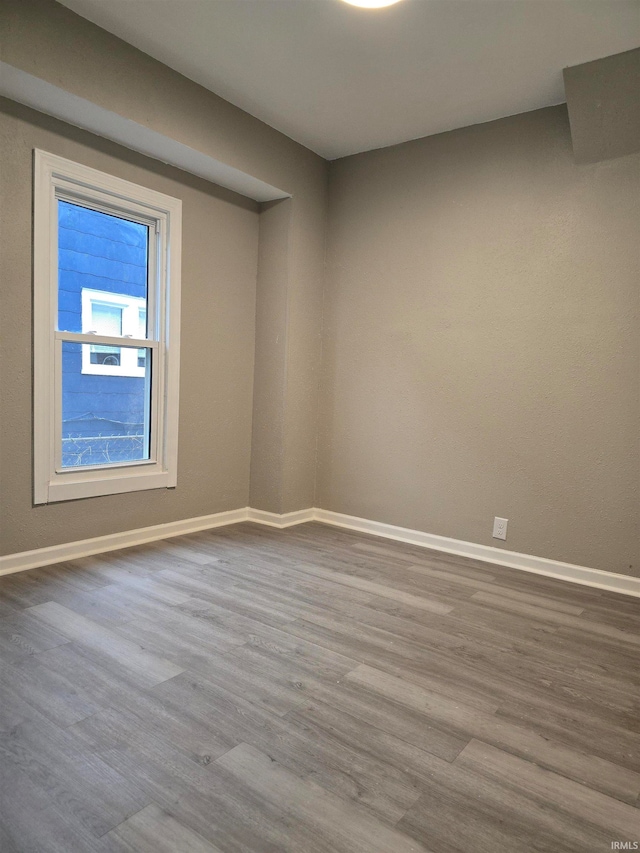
[(101, 252), (105, 419), (106, 319), (105, 355)]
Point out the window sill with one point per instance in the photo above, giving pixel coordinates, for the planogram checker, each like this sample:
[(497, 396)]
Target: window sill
[(71, 490)]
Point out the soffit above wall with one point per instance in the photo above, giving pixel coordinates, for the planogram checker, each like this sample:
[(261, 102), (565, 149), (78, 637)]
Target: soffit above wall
[(341, 80), (603, 99), (54, 101)]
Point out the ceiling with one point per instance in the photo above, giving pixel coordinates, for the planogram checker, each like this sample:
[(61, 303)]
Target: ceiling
[(340, 79)]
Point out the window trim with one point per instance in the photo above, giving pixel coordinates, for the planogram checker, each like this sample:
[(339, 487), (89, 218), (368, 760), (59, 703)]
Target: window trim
[(56, 177)]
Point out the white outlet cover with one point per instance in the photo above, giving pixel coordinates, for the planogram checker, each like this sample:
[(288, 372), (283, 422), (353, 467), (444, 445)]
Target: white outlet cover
[(500, 528)]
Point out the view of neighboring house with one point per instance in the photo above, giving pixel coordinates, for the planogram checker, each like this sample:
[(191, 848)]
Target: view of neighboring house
[(103, 265)]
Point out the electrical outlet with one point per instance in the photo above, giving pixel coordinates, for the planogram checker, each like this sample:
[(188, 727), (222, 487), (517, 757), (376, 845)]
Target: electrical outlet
[(500, 528)]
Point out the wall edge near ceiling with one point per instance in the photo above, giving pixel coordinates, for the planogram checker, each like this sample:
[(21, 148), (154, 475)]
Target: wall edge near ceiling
[(583, 575), (17, 85)]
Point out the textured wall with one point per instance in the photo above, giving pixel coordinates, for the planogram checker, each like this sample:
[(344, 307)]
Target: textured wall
[(218, 314), (481, 318), (288, 357), (267, 446), (482, 341), (35, 37)]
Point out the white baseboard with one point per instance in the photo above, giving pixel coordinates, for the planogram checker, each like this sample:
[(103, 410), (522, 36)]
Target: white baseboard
[(524, 562), (288, 519), (111, 542)]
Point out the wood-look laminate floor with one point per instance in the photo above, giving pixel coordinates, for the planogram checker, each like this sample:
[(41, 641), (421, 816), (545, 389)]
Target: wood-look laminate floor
[(314, 691)]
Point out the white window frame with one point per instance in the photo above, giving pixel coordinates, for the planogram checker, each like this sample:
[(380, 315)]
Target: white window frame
[(130, 306), (57, 178)]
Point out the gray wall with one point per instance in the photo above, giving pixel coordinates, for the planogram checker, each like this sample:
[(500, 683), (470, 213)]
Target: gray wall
[(603, 99), (267, 449), (480, 349), (219, 260), (35, 36), (482, 341)]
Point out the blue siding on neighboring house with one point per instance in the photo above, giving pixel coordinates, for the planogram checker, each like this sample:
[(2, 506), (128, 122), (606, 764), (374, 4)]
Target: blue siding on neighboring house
[(100, 252)]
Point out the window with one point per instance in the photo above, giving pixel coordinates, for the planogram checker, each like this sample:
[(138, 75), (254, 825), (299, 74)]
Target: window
[(105, 313), (106, 333)]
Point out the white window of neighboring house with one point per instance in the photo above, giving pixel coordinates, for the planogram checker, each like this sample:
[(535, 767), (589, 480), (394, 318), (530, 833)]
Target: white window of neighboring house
[(106, 363), (105, 313)]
